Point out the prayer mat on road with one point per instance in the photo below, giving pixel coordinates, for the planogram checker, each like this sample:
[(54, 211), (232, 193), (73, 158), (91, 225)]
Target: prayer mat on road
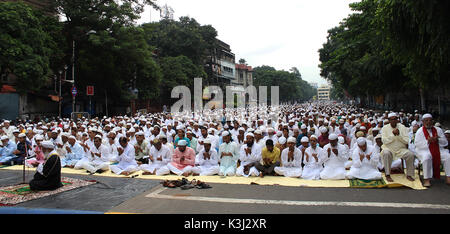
[(358, 183), (15, 194), (399, 179)]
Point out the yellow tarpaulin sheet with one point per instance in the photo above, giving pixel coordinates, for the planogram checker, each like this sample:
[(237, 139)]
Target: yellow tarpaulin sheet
[(399, 179)]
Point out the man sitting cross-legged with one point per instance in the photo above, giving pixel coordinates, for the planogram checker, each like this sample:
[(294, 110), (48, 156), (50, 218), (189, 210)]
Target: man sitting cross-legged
[(183, 159), (159, 157), (207, 160), (291, 160)]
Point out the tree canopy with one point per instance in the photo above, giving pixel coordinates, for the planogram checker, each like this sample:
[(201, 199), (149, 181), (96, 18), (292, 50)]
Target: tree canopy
[(388, 46), (291, 85)]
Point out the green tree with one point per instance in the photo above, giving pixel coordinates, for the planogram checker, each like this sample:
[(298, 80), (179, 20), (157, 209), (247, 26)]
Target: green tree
[(27, 45), (291, 85), (177, 71)]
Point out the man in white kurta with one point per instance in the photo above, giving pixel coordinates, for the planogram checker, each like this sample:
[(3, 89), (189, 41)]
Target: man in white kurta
[(127, 162), (250, 153), (229, 155), (75, 152), (395, 145), (97, 158), (313, 160), (207, 160), (365, 162), (291, 160), (423, 145), (160, 156), (334, 163)]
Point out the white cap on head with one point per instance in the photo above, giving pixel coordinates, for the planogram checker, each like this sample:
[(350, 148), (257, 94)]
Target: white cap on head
[(426, 116), (392, 115), (378, 136), (207, 141), (282, 140), (361, 141), (250, 134), (4, 138), (225, 133), (22, 135), (258, 132), (447, 132), (291, 140), (182, 143), (140, 133), (323, 129), (303, 126), (39, 138), (304, 139), (313, 136), (47, 145), (332, 137)]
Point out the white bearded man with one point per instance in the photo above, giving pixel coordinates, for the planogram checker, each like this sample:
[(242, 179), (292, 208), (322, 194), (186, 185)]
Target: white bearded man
[(207, 160), (365, 162), (430, 143), (48, 174), (334, 163), (291, 160), (395, 145)]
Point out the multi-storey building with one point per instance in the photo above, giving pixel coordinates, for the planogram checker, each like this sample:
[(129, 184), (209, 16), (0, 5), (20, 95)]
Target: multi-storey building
[(323, 93)]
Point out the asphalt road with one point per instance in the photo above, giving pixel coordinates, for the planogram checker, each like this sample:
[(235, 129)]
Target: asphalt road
[(133, 195)]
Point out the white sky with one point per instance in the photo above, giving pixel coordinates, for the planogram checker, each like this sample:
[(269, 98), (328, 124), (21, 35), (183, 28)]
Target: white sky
[(281, 34)]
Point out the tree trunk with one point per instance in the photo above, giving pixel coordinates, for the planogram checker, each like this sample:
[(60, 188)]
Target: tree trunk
[(422, 101)]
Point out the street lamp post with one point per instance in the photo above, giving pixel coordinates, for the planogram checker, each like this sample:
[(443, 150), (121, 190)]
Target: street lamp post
[(73, 73), (73, 66), (59, 98)]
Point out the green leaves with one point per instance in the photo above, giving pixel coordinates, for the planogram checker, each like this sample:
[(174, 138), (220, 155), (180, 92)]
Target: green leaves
[(26, 45), (292, 87)]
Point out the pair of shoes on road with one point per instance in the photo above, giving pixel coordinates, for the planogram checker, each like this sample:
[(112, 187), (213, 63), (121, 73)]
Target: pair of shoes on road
[(185, 184), (175, 183), (199, 185)]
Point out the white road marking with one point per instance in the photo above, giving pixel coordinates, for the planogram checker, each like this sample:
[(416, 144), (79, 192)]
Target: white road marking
[(156, 194)]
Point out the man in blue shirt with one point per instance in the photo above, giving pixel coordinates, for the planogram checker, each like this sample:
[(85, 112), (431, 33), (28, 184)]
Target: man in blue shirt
[(7, 150)]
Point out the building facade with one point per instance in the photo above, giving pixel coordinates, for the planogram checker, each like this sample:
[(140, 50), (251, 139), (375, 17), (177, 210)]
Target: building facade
[(220, 65), (323, 93)]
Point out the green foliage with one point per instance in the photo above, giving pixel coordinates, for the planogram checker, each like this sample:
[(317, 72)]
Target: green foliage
[(291, 85), (177, 71), (184, 37), (27, 45), (388, 46)]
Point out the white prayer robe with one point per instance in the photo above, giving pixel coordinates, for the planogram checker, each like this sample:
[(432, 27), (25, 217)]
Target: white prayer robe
[(159, 167), (127, 161), (365, 169), (334, 166), (206, 167), (246, 159), (424, 154), (94, 163), (228, 163), (290, 168), (312, 168)]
